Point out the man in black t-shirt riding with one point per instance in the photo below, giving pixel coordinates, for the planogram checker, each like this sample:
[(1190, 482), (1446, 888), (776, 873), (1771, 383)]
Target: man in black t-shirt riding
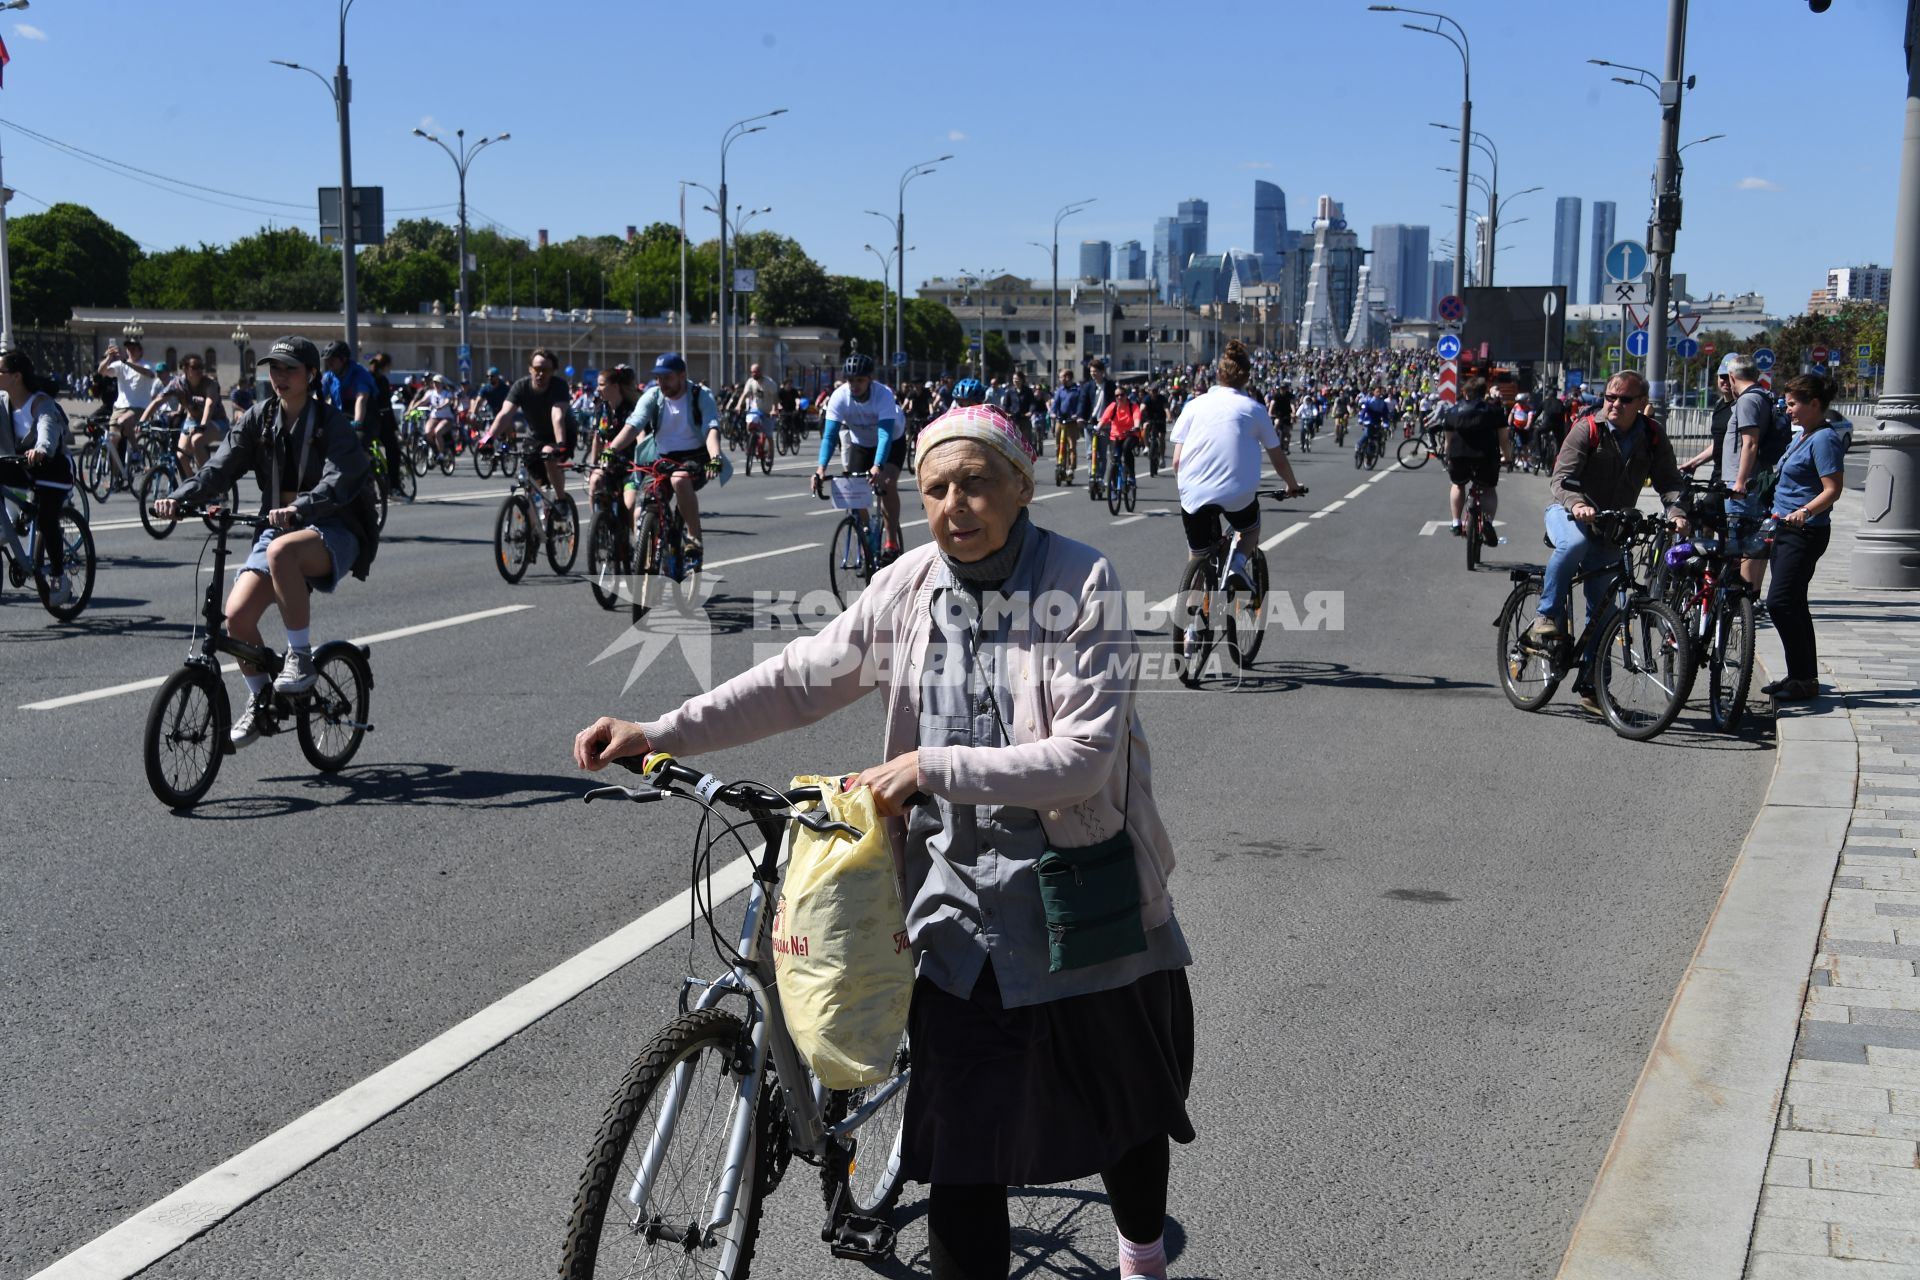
[(543, 398), (1478, 437)]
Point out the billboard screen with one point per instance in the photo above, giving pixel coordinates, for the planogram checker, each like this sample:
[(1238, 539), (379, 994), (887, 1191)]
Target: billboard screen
[(1513, 325)]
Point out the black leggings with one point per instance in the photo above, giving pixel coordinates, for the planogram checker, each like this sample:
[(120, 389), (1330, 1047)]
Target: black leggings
[(970, 1238), (1795, 553), (47, 502)]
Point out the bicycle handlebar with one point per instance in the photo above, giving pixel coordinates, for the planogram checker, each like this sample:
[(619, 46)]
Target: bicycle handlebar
[(668, 776)]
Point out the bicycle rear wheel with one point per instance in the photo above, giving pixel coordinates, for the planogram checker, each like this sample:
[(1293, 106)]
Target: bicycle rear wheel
[(483, 461), (1244, 612), (846, 559), (604, 569), (1730, 670), (1193, 621), (675, 1111), (333, 714), (1528, 675), (1474, 519), (1412, 454), (1132, 495), (154, 485), (419, 456), (1642, 669), (410, 478), (513, 540), (96, 470), (185, 736)]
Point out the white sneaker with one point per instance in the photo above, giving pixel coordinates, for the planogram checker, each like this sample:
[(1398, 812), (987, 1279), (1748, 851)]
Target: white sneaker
[(297, 675), (244, 730), (61, 594)]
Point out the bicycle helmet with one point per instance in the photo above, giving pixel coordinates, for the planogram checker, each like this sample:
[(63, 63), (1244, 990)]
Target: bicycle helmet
[(336, 349), (858, 365), (968, 391)]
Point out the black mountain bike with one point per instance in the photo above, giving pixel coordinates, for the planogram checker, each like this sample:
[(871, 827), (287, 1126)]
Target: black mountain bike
[(1634, 652), (187, 724), (609, 539)]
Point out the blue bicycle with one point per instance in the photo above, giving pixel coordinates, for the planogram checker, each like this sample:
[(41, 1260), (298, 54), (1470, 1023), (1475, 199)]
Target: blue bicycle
[(1122, 488)]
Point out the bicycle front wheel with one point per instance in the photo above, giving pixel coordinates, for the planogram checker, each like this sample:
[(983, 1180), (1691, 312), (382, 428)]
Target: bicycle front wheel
[(186, 733), (153, 486), (513, 543), (76, 561), (1114, 496), (483, 462), (563, 534), (1730, 670), (1245, 611), (846, 560), (1643, 669), (648, 1197), (1132, 495), (333, 714), (96, 470), (603, 562), (1412, 454)]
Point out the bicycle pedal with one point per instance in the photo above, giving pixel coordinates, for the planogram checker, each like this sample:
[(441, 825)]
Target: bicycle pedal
[(860, 1239)]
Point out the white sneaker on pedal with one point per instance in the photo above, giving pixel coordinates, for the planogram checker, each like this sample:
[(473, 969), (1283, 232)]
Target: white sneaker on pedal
[(297, 675), (60, 595), (244, 731)]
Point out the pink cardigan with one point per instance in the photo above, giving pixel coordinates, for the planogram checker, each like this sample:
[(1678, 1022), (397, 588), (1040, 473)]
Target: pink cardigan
[(1064, 762)]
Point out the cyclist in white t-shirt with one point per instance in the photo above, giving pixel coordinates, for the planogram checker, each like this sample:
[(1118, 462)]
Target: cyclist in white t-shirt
[(865, 410), (1217, 443), (686, 420), (755, 394)]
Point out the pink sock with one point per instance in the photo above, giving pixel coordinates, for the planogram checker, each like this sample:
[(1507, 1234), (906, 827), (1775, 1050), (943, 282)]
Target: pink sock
[(1143, 1259)]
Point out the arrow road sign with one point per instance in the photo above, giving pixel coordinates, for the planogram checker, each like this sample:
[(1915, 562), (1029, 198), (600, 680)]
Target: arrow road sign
[(1448, 346), (1452, 309), (1763, 359), (1626, 260), (1686, 348), (1638, 342), (1621, 293)]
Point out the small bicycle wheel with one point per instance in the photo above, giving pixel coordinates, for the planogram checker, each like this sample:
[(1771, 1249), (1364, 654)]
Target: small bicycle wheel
[(1528, 674), (76, 561), (1473, 538), (870, 1174), (562, 533), (96, 470), (409, 481), (483, 462), (419, 458), (446, 461), (1412, 454), (675, 1112), (604, 569), (846, 559), (1194, 622), (333, 714), (1642, 669), (1730, 669), (154, 485), (1373, 456), (185, 736), (513, 543)]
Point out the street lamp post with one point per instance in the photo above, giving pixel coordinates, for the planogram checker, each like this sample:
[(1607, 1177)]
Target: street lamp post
[(1886, 552), (342, 91), (699, 186), (6, 277), (1053, 345), (1466, 123), (740, 221), (240, 338), (735, 131), (1486, 147), (886, 275), (462, 156), (979, 279), (900, 246)]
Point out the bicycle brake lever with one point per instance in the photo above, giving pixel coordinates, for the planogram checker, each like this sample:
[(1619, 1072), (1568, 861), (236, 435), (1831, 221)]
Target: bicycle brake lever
[(639, 795)]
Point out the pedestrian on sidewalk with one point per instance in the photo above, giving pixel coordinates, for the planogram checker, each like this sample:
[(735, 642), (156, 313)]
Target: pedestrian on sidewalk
[(1812, 476), (1052, 1038)]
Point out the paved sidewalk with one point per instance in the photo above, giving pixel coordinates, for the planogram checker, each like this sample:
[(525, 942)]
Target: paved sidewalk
[(1842, 1185)]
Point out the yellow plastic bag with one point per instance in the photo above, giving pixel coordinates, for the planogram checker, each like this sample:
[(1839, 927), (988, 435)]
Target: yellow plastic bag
[(840, 945)]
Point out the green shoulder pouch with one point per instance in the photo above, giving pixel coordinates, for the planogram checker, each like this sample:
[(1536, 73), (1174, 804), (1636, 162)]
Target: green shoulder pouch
[(1091, 897)]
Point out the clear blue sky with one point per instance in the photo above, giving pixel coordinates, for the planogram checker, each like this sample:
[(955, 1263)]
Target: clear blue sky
[(1138, 104)]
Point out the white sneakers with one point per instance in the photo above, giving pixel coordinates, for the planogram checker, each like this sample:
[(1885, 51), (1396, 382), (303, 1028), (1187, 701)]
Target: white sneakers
[(244, 732), (297, 675)]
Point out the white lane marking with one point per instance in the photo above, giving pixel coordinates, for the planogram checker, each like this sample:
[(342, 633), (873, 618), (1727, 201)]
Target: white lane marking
[(1049, 497), (761, 555), (109, 526), (783, 497), (135, 686), (1358, 490), (165, 1225), (1329, 509), (1427, 529), (1134, 519), (1282, 536)]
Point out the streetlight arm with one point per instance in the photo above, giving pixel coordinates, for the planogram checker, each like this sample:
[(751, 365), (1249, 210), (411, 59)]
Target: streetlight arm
[(278, 62)]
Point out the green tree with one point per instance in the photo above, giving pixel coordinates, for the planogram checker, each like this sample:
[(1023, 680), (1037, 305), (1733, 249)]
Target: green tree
[(179, 279), (999, 359), (407, 284), (280, 269), (66, 257)]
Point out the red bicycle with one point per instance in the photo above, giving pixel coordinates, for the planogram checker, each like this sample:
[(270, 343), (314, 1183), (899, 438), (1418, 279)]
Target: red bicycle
[(759, 446)]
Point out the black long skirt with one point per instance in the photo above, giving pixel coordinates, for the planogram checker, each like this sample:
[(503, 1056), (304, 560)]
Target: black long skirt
[(1048, 1092)]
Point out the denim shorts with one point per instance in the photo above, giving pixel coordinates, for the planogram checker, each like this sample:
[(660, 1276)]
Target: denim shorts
[(340, 543)]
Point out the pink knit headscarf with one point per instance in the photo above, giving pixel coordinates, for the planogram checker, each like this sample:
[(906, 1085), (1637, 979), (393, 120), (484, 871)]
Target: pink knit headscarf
[(982, 423)]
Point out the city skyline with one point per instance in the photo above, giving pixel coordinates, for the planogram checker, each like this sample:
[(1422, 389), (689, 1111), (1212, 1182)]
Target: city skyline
[(1566, 248), (965, 210)]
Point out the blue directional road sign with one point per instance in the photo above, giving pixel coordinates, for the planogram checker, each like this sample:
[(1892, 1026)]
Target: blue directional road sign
[(1763, 359), (1626, 260), (1576, 377), (973, 344), (1448, 346), (1686, 348), (465, 352), (1864, 351), (466, 368), (1638, 342), (1452, 308), (900, 358)]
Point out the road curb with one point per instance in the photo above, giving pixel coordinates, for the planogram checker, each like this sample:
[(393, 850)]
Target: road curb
[(1680, 1185)]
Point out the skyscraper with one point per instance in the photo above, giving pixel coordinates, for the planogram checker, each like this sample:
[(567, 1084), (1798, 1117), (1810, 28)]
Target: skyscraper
[(1192, 215), (1400, 268), (1160, 268), (1096, 257), (1442, 282), (1269, 226), (1597, 254), (1129, 261), (1566, 245)]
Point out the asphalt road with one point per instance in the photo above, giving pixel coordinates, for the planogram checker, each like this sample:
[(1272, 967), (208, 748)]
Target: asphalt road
[(1433, 935)]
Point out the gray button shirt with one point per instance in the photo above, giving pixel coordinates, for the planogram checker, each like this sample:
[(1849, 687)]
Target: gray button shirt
[(971, 879)]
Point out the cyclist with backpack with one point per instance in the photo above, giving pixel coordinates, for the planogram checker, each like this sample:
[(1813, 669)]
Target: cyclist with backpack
[(684, 419), (313, 476), (36, 437), (1757, 438)]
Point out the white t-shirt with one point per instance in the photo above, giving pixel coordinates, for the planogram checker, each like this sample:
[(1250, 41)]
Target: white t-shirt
[(862, 420), (439, 404), (1222, 434), (754, 394), (677, 430), (136, 388)]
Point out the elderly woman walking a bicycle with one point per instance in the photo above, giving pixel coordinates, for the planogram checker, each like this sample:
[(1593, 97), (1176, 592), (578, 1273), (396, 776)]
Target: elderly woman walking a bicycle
[(1052, 1025)]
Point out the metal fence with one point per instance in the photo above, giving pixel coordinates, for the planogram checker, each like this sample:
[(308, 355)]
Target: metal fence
[(1697, 424)]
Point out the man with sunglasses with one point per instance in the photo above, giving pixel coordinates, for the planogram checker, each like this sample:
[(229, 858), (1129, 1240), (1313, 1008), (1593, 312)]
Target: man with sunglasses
[(543, 398), (203, 415), (1602, 466)]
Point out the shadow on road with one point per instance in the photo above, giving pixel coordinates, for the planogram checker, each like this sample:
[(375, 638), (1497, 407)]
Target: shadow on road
[(88, 625), (396, 784), (1052, 1230), (1279, 676)]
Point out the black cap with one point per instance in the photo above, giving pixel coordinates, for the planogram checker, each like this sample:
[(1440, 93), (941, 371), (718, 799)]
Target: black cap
[(291, 351), (337, 348)]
